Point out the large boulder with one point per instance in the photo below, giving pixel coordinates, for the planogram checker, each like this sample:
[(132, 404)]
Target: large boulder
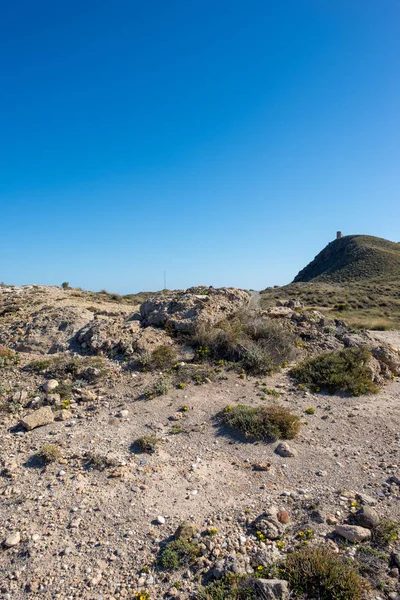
[(185, 310)]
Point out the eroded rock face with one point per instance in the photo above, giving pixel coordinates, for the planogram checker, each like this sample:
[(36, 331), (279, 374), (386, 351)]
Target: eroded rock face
[(46, 331), (120, 336), (185, 310)]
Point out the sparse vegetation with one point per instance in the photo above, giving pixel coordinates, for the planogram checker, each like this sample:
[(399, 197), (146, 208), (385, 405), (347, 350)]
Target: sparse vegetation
[(49, 453), (385, 533), (8, 358), (230, 587), (99, 461), (60, 367), (160, 388), (178, 554), (268, 423), (260, 345), (147, 444), (162, 358), (343, 371), (317, 572)]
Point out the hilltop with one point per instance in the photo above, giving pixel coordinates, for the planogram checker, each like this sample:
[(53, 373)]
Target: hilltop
[(355, 278), (353, 258)]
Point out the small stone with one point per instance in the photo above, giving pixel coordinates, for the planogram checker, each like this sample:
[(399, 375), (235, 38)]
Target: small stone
[(35, 537), (365, 499), (394, 573), (13, 540), (40, 417), (283, 449), (367, 517), (186, 531), (50, 385), (353, 533), (161, 520), (63, 415), (283, 516), (123, 414)]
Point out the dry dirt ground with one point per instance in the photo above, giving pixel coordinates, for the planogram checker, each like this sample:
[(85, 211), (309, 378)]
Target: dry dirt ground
[(88, 533)]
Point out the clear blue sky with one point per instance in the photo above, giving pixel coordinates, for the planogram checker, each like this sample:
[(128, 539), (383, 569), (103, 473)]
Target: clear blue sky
[(220, 140)]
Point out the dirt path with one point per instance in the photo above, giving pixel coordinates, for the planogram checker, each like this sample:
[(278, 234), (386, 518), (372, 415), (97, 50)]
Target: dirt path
[(390, 337)]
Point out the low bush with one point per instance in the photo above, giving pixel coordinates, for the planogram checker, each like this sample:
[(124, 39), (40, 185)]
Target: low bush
[(99, 461), (8, 358), (59, 367), (147, 444), (49, 453), (178, 554), (268, 423), (385, 533), (230, 587), (318, 572), (343, 371), (257, 343), (160, 388)]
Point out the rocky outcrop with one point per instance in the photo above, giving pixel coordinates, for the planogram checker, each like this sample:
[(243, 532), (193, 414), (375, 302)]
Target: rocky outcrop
[(184, 310), (47, 331), (123, 337)]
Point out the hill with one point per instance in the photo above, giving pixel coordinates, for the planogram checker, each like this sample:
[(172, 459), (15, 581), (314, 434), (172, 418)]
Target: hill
[(353, 257), (355, 278)]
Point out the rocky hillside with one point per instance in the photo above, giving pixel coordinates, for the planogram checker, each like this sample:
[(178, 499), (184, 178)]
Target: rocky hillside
[(354, 257), (194, 447)]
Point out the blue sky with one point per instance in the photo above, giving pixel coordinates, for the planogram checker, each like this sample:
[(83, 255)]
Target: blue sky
[(222, 141)]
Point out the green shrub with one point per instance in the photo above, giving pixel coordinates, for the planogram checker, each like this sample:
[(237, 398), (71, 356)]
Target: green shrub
[(267, 423), (230, 587), (163, 358), (318, 572), (49, 453), (99, 461), (257, 343), (59, 367), (177, 554), (343, 371), (147, 444), (385, 533), (8, 358), (65, 285), (160, 388)]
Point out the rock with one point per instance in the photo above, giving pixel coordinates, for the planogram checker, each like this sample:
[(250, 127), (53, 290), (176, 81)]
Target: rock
[(184, 310), (123, 336), (63, 415), (365, 499), (161, 520), (267, 556), (353, 533), (283, 449), (123, 414), (272, 589), (50, 385), (283, 516), (367, 517), (394, 573), (186, 531), (396, 559), (265, 466), (13, 540), (40, 417)]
